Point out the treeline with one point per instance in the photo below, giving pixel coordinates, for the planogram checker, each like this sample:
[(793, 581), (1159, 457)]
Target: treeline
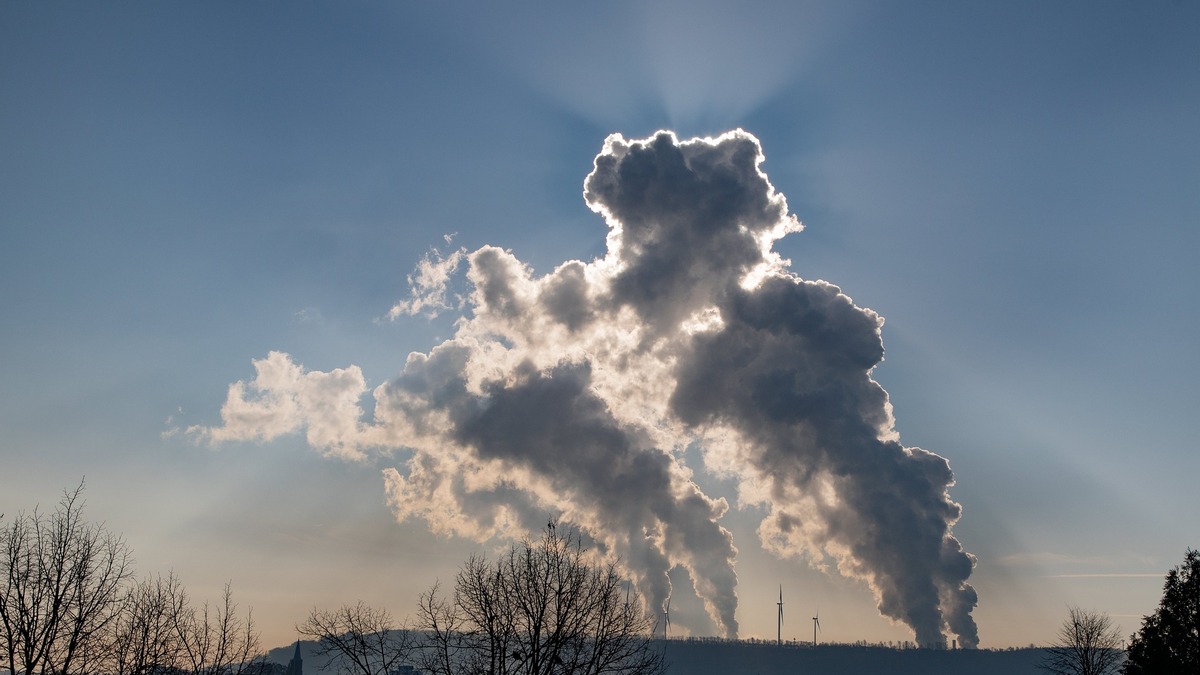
[(70, 603), (547, 607)]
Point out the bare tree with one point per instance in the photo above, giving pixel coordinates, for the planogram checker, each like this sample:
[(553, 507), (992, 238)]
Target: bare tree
[(357, 639), (543, 609), (215, 640), (146, 638), (61, 585), (1088, 644), (446, 637)]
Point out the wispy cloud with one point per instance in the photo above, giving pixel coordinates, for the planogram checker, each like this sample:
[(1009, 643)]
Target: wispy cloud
[(1053, 565), (308, 315), (1109, 575), (429, 284), (1060, 560), (172, 427)]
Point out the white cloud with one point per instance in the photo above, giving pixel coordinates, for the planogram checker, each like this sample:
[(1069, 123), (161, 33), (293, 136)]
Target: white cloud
[(429, 285), (283, 399)]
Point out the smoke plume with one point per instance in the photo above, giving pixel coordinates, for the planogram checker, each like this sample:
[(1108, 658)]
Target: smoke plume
[(575, 393)]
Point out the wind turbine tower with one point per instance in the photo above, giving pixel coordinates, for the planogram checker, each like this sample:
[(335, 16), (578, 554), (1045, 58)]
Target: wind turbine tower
[(816, 626), (779, 619)]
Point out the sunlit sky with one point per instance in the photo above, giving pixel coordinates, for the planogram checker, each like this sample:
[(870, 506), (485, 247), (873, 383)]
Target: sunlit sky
[(1015, 187)]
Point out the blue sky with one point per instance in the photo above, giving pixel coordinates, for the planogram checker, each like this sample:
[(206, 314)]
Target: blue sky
[(1013, 186)]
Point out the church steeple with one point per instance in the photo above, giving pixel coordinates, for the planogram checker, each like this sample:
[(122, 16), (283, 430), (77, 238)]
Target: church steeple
[(296, 666)]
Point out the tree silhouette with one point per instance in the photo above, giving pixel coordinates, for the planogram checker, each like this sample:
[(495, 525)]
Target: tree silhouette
[(62, 581), (1169, 640), (215, 640), (545, 608), (145, 638), (357, 639), (1088, 644), (69, 605)]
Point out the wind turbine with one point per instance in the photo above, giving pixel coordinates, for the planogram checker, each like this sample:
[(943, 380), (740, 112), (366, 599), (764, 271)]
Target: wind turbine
[(779, 621), (816, 626)]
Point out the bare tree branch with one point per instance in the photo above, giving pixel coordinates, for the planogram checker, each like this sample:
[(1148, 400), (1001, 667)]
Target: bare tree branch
[(1088, 644), (215, 641), (61, 588), (145, 640), (357, 639), (545, 608)]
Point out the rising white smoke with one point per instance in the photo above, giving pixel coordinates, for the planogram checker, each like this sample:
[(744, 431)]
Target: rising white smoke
[(575, 393)]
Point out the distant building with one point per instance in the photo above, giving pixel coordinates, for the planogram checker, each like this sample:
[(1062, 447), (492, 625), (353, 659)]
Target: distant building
[(296, 665)]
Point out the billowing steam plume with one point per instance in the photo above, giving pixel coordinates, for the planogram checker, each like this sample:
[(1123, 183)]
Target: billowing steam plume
[(575, 393)]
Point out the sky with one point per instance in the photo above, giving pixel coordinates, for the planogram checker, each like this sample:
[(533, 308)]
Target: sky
[(191, 193)]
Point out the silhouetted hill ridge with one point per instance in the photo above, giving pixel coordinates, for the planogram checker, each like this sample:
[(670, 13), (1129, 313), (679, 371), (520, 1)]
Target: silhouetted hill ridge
[(721, 657), (758, 658)]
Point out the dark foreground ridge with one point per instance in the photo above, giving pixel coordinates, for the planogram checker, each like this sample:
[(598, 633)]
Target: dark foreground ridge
[(738, 657), (700, 657)]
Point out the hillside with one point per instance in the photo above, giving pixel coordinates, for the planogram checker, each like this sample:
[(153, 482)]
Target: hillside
[(749, 658), (719, 657)]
